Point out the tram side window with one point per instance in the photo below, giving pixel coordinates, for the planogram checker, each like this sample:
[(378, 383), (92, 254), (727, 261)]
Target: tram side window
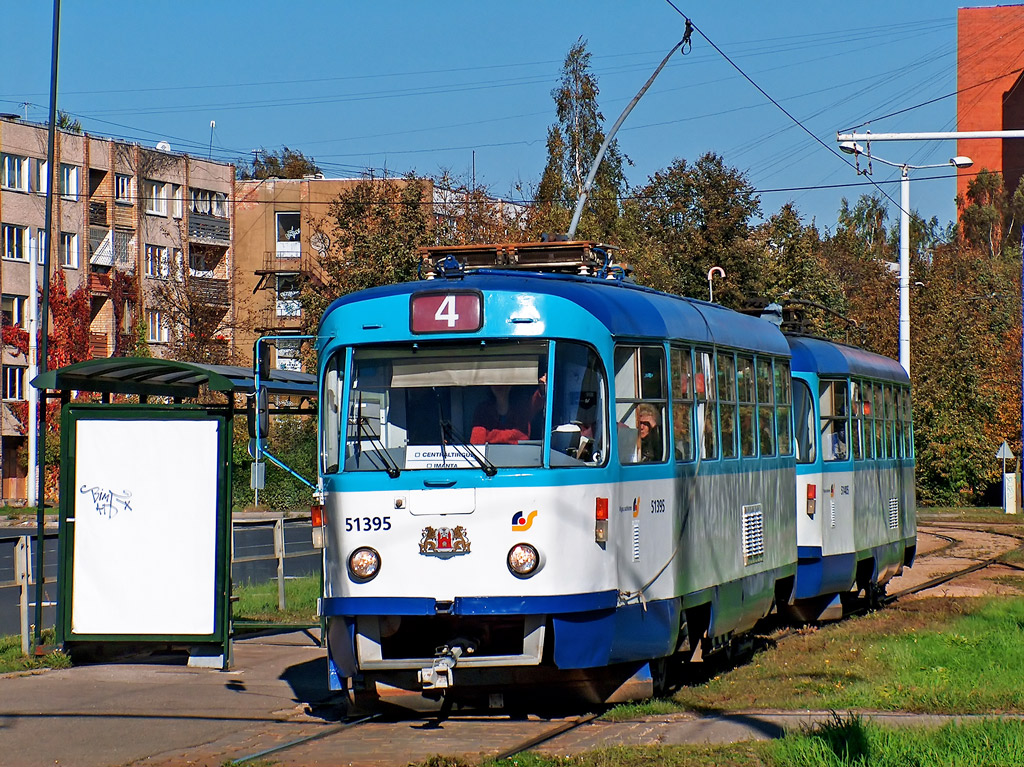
[(857, 421), (330, 413), (806, 431), (832, 404), (640, 401), (707, 405), (726, 365), (906, 423), (878, 413), (745, 390), (578, 406), (865, 416), (784, 406), (765, 406), (682, 403), (891, 423)]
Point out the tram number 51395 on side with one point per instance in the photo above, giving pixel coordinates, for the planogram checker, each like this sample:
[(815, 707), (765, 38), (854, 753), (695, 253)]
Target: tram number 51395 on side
[(367, 524)]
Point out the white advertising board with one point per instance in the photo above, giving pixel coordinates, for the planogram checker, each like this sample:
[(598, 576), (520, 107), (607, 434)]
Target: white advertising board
[(145, 529)]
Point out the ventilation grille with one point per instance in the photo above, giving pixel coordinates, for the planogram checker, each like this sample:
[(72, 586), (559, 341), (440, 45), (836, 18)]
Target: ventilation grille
[(894, 513), (753, 534), (832, 511), (636, 541)]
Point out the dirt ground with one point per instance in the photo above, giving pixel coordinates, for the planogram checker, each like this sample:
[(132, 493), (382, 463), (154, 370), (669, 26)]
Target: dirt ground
[(937, 556)]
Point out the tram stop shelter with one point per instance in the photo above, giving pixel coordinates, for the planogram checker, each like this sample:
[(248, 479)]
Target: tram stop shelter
[(145, 500)]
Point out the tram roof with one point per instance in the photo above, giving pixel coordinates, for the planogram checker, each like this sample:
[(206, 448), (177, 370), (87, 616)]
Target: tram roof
[(625, 309), (167, 378), (816, 355)]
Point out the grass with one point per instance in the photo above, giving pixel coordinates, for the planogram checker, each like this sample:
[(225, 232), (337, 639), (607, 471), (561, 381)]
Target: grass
[(258, 602), (931, 655), (17, 512), (12, 659), (840, 742), (978, 514)]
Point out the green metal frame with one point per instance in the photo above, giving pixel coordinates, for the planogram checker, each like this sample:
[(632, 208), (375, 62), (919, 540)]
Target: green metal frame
[(71, 415)]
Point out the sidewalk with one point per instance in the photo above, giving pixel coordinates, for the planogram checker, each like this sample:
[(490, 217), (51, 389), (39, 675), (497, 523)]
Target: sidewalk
[(113, 714)]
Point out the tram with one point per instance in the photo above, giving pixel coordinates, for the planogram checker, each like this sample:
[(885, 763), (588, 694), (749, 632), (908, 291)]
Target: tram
[(537, 478)]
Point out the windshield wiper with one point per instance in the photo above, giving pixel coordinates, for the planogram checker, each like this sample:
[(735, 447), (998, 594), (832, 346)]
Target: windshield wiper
[(390, 466), (448, 431)]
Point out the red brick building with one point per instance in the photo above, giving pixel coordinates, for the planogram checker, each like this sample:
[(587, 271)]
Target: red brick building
[(990, 85)]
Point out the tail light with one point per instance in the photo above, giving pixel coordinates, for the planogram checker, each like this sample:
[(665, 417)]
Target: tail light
[(316, 517), (812, 494), (601, 520)]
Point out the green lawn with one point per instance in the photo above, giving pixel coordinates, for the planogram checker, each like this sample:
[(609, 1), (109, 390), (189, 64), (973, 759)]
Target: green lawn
[(258, 602), (12, 659)]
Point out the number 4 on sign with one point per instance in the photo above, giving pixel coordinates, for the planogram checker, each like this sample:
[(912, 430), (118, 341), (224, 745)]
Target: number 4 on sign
[(446, 312)]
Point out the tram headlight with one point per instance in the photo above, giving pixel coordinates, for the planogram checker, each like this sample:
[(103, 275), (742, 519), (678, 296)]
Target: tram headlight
[(523, 560), (364, 564)]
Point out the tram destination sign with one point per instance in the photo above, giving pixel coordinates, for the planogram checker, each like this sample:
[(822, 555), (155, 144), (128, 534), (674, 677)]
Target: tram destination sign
[(448, 311)]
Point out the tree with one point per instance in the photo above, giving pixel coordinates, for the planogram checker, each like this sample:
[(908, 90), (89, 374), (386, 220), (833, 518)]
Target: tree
[(376, 228), (286, 163), (991, 218), (467, 214), (573, 142), (68, 123), (689, 218)]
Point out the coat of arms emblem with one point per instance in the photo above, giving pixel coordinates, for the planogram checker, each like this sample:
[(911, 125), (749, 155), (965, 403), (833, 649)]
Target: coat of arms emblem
[(444, 540)]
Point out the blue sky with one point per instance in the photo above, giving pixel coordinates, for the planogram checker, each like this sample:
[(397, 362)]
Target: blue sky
[(422, 86)]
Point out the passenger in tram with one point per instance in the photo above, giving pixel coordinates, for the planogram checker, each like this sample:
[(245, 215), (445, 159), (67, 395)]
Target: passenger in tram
[(649, 440)]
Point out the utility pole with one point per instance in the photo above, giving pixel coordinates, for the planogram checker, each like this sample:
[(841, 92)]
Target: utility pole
[(849, 142)]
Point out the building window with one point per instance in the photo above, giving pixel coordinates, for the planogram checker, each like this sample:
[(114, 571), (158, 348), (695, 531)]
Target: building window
[(155, 194), (14, 383), (176, 201), (288, 304), (69, 250), (39, 245), (42, 177), (69, 181), (14, 242), (288, 355), (13, 310), (123, 189), (123, 241), (200, 263), (157, 262), (15, 172), (289, 234), (156, 327), (208, 203)]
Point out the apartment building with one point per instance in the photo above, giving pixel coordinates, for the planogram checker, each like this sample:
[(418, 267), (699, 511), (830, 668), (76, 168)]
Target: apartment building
[(145, 231)]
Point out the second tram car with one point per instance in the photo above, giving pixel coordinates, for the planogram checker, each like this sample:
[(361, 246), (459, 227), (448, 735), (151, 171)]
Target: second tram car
[(534, 479)]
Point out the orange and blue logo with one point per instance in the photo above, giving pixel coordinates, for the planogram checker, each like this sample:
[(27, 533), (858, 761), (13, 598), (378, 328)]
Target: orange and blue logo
[(520, 522), (636, 507)]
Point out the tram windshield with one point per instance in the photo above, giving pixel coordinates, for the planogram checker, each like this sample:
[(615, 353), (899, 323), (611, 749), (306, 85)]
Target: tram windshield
[(468, 406)]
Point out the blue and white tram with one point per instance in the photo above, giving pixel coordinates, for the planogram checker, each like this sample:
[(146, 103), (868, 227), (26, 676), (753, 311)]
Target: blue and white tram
[(856, 513), (547, 479)]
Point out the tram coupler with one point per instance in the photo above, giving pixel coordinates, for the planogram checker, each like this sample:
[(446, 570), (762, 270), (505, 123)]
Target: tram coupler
[(440, 675)]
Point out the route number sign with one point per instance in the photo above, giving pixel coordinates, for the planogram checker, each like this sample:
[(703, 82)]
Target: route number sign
[(446, 312)]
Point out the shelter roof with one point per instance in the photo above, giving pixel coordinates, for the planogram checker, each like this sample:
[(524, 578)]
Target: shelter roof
[(168, 378)]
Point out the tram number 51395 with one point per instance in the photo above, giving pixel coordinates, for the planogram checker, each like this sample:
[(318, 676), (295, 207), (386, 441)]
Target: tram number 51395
[(367, 524)]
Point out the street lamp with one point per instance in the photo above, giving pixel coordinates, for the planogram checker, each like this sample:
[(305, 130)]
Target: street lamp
[(852, 147)]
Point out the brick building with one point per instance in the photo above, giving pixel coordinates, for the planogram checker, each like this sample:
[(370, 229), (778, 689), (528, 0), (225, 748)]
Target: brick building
[(990, 85), (152, 216)]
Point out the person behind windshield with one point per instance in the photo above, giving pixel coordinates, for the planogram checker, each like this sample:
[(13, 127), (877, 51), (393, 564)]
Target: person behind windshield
[(502, 419)]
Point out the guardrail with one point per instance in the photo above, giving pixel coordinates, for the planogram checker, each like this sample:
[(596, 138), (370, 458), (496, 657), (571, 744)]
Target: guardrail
[(24, 581), (280, 553)]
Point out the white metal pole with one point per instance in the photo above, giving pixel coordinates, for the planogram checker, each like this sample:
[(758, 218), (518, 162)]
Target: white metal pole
[(33, 370), (905, 269), (932, 136)]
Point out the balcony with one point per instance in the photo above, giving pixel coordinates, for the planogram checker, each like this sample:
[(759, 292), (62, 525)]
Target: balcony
[(99, 284), (211, 291), (209, 230), (98, 345), (98, 213)]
